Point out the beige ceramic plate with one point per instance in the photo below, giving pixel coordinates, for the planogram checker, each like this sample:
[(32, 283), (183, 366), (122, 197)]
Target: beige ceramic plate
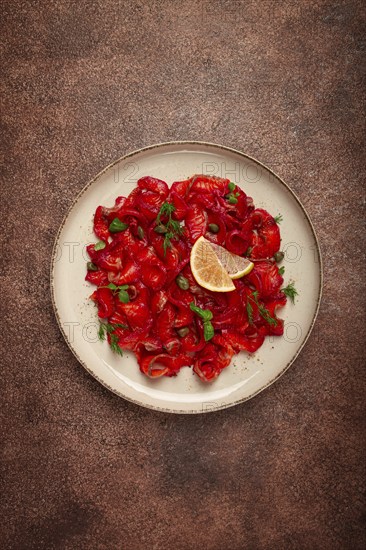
[(248, 374)]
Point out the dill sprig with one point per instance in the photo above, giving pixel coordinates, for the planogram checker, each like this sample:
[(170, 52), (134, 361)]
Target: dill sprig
[(166, 209), (114, 345), (263, 311), (167, 241), (290, 291), (266, 315), (249, 312), (173, 227), (108, 328), (278, 218)]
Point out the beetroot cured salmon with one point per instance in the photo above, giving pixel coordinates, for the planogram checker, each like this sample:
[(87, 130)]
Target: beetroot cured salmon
[(147, 298)]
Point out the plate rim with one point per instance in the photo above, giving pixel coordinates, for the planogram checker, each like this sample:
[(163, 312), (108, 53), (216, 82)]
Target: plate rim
[(54, 255)]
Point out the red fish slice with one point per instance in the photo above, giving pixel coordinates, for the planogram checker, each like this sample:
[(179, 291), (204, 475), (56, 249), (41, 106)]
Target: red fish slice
[(155, 319)]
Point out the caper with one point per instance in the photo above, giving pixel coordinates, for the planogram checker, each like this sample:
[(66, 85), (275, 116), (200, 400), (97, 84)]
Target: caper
[(161, 229), (278, 256), (214, 228), (183, 331), (231, 186), (182, 282), (140, 232), (91, 267)]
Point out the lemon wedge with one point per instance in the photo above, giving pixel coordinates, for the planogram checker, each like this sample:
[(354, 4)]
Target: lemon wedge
[(214, 267)]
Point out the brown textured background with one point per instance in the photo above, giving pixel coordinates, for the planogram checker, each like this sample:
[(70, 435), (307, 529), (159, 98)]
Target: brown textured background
[(85, 82)]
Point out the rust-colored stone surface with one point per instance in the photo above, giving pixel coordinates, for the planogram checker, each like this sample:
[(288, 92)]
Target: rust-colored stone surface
[(84, 83)]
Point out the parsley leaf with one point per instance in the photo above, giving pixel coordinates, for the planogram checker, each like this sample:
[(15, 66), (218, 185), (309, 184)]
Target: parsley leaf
[(121, 289)]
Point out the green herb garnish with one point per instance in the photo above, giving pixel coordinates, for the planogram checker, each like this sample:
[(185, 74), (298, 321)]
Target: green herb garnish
[(171, 229), (278, 219), (116, 226), (281, 271), (263, 311), (266, 315), (123, 296), (208, 331), (290, 291), (167, 241), (249, 312), (99, 245), (114, 344), (121, 289), (108, 328), (166, 209), (102, 330), (112, 286), (205, 314)]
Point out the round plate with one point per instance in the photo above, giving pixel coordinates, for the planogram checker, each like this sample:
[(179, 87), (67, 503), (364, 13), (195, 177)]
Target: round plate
[(248, 374)]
